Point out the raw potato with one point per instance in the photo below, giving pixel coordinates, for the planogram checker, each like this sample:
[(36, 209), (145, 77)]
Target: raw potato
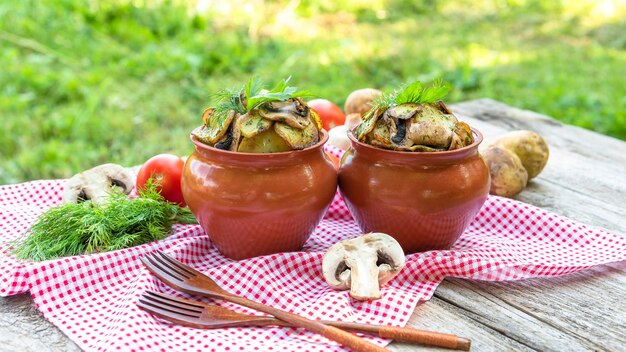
[(352, 120), (360, 101), (513, 159), (529, 146), (508, 176)]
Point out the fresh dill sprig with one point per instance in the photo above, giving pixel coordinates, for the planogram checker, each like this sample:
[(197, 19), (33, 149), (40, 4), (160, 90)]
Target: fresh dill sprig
[(253, 95), (83, 228), (414, 93), (281, 92), (229, 99)]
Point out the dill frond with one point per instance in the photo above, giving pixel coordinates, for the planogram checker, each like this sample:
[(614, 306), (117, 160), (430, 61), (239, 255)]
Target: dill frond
[(82, 228), (414, 93), (417, 94), (281, 92)]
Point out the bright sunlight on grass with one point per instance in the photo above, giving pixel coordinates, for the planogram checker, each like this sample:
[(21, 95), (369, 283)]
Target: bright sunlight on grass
[(88, 82)]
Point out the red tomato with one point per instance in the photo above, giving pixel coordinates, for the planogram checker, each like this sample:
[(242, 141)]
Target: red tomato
[(330, 113), (166, 170)]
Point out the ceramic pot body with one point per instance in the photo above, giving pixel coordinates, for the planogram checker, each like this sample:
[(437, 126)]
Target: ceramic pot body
[(425, 200), (253, 204)]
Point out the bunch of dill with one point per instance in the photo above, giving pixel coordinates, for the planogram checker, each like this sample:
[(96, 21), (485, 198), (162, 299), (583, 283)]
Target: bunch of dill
[(83, 228)]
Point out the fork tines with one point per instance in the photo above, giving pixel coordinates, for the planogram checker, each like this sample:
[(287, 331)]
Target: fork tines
[(167, 265), (170, 307)]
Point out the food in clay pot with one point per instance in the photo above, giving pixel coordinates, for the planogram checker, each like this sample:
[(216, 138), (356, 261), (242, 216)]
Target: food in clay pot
[(414, 120), (254, 120), (259, 181), (413, 170)]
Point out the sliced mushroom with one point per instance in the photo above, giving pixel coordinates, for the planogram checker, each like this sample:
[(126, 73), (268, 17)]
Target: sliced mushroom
[(293, 112), (404, 111), (95, 184), (367, 125), (363, 264)]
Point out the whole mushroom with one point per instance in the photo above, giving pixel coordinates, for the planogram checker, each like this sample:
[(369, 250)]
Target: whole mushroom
[(95, 184), (362, 264)]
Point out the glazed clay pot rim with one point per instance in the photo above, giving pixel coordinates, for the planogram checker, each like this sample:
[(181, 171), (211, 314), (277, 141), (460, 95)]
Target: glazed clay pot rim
[(259, 157), (450, 155)]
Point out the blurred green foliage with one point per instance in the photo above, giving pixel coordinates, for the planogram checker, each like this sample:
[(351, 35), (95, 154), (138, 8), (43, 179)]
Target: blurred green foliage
[(88, 82)]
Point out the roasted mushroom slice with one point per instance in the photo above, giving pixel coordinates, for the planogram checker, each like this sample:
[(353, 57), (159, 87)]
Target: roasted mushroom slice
[(462, 136), (293, 112), (404, 111), (368, 124), (216, 125), (363, 264), (381, 133)]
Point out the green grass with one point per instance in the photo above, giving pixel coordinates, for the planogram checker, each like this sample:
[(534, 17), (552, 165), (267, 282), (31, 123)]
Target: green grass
[(84, 83)]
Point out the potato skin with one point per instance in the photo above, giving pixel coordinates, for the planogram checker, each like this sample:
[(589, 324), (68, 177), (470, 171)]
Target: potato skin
[(360, 100), (508, 175), (529, 146)]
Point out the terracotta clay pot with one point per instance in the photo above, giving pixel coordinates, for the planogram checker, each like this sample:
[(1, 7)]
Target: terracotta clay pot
[(425, 200), (253, 204)]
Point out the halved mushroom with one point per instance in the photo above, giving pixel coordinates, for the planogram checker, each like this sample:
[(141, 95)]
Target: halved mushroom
[(363, 264), (95, 184)]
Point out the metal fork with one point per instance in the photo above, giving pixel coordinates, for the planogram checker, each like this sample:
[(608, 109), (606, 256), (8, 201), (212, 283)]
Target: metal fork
[(186, 279), (206, 316)]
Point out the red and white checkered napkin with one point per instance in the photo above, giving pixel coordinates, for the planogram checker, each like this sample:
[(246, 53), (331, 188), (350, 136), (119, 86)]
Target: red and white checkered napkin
[(92, 298)]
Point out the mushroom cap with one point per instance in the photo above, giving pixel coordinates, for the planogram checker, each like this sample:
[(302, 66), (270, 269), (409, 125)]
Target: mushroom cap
[(96, 183), (363, 264)]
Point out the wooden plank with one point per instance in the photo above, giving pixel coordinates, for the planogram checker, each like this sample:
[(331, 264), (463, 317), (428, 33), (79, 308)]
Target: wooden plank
[(442, 316), (578, 312), (23, 328)]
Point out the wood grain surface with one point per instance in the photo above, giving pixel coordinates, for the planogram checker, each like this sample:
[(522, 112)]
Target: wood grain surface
[(585, 180)]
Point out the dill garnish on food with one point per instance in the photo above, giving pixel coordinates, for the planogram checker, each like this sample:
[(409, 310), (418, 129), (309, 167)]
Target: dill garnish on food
[(83, 228)]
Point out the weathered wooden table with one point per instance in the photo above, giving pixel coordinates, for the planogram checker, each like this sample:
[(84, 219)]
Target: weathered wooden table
[(584, 180)]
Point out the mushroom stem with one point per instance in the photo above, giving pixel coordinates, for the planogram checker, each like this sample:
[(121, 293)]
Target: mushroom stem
[(363, 277), (363, 264)]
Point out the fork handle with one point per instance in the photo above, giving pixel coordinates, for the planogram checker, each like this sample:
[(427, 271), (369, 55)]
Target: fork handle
[(410, 335), (344, 338)]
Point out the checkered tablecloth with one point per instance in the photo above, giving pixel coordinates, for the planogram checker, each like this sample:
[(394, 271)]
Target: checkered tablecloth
[(92, 298)]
